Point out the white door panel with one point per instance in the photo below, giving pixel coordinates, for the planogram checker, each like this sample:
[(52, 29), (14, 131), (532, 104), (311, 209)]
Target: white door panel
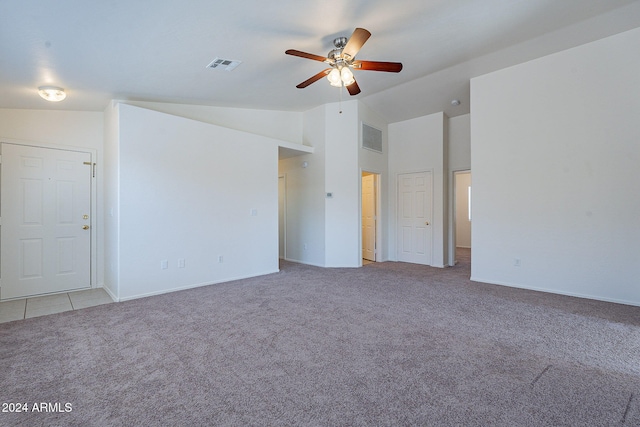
[(46, 202), (414, 218)]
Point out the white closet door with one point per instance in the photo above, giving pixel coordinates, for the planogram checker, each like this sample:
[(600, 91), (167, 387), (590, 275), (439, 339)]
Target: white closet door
[(415, 199)]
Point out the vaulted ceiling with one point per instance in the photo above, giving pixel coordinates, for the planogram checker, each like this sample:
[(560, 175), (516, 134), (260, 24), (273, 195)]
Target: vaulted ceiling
[(158, 50)]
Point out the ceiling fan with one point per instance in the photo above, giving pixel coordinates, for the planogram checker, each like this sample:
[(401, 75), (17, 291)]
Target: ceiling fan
[(342, 60)]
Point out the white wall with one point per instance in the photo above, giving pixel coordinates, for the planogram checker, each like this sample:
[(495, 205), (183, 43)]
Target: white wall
[(463, 225), (63, 128), (283, 125), (420, 145), (186, 191), (112, 199), (555, 158), (321, 230), (459, 160), (371, 161), (306, 195), (342, 179), (460, 143)]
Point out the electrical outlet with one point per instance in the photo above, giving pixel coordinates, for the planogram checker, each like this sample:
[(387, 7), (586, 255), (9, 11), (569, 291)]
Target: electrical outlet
[(304, 246), (220, 259), (516, 262), (181, 263), (164, 264)]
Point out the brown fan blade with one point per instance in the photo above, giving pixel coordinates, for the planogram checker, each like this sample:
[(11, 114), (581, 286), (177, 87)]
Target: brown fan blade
[(353, 88), (305, 55), (390, 67), (313, 79), (357, 39)]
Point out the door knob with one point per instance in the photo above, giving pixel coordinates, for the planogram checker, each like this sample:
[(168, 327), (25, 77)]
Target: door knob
[(426, 222), (85, 227)]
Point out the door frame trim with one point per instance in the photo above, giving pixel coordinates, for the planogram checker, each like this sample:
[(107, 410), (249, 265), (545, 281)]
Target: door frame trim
[(453, 260), (284, 216), (378, 193), (94, 187)]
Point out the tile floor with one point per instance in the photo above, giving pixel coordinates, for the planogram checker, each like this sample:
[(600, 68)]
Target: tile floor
[(50, 304)]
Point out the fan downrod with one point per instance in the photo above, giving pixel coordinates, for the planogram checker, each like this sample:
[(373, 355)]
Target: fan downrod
[(340, 42)]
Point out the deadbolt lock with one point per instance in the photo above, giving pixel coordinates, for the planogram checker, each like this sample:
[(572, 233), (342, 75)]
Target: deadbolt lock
[(85, 216)]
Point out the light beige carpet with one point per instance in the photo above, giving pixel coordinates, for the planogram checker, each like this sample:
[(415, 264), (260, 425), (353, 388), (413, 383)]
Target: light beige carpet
[(386, 344)]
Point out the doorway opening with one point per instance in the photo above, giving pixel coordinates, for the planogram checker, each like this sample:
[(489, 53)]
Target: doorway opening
[(462, 216), (370, 202)]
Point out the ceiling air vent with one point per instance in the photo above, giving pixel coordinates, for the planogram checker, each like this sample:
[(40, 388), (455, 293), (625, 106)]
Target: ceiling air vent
[(224, 64)]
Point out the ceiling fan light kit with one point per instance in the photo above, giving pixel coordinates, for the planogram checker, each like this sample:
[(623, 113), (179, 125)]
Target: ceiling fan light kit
[(342, 61), (334, 78), (347, 76)]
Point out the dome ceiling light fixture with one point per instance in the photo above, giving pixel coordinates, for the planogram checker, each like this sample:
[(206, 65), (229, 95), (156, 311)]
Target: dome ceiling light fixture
[(52, 93)]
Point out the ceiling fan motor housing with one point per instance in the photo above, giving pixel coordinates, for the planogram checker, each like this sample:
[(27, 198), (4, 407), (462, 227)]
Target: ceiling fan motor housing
[(335, 54)]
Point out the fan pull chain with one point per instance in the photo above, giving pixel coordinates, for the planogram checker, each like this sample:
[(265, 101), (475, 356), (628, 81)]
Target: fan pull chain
[(341, 90)]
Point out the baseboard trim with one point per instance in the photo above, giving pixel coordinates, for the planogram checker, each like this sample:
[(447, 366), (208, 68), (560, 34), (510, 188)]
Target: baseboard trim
[(111, 294), (557, 292), (196, 285), (303, 262)]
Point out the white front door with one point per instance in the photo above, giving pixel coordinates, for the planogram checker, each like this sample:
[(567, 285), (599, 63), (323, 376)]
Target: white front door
[(414, 217), (45, 244), (368, 218)]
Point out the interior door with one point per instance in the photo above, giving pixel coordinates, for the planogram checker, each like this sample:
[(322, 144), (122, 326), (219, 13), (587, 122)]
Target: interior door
[(414, 217), (45, 242), (369, 217)]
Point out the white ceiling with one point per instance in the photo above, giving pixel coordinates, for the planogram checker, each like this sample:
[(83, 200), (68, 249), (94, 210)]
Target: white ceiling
[(158, 50)]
